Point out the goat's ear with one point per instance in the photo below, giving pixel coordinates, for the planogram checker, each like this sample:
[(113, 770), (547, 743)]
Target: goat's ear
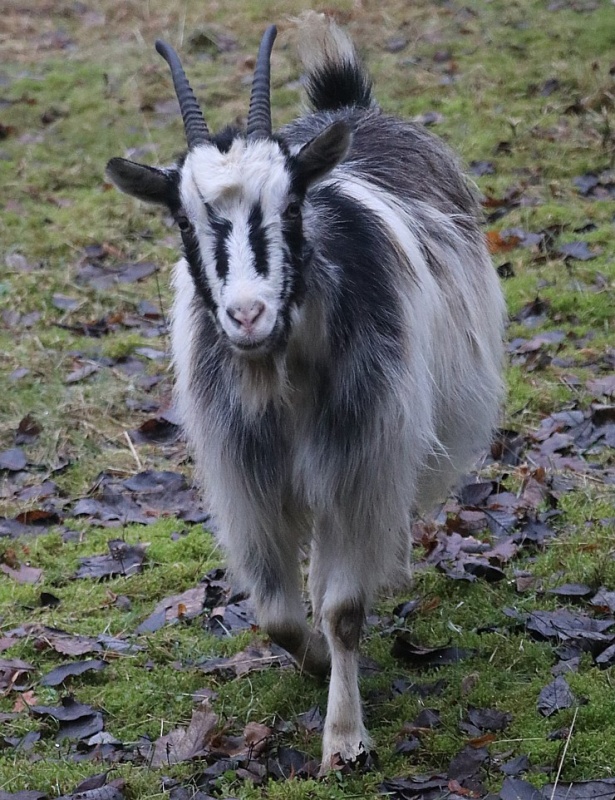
[(150, 184), (324, 152)]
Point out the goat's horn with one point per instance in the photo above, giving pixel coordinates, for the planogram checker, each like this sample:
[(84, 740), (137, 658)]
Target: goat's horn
[(195, 126), (259, 115)]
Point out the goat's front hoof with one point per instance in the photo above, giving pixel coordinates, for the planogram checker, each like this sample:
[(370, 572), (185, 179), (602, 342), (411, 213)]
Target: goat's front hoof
[(348, 758)]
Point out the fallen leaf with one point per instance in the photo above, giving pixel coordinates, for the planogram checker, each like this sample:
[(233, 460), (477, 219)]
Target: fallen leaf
[(567, 625), (288, 763), (253, 659), (65, 303), (77, 720), (406, 609), (159, 430), (58, 675), (426, 718), (227, 620), (14, 459), (600, 386), (576, 250), (533, 313), (555, 696), (11, 670), (498, 243), (427, 657), (183, 744), (467, 763), (61, 641), (408, 745), (188, 605), (518, 789), (425, 787), (516, 766), (24, 701), (481, 168), (489, 719), (27, 431), (23, 574), (604, 599), (572, 591), (123, 559), (600, 789), (81, 373), (311, 720)]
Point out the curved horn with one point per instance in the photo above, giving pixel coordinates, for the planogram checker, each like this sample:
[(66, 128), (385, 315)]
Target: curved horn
[(195, 126), (259, 115)]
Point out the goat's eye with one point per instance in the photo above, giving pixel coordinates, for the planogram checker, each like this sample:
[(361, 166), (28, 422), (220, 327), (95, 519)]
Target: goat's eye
[(182, 223), (292, 210)]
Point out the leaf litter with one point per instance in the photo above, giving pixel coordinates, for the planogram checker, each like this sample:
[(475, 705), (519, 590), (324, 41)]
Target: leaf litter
[(481, 535)]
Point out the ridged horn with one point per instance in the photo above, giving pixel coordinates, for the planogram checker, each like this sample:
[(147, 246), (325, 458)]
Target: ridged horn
[(195, 126), (259, 115)]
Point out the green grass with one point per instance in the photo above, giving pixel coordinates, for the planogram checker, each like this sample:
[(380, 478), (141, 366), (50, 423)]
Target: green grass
[(100, 99)]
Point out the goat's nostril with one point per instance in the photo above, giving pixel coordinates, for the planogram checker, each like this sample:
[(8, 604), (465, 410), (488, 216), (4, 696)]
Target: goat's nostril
[(245, 315)]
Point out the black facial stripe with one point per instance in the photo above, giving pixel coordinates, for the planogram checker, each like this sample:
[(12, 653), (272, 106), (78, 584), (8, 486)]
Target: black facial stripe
[(222, 230), (294, 267), (257, 236), (193, 257)]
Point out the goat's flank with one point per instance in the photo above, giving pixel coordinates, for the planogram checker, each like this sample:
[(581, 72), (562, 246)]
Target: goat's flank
[(336, 339)]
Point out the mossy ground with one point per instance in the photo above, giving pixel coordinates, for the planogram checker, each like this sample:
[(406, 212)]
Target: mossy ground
[(84, 85)]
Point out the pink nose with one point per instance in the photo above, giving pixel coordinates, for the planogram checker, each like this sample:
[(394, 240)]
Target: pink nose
[(244, 315)]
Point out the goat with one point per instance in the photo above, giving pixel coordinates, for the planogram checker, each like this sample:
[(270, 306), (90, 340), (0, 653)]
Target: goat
[(337, 342)]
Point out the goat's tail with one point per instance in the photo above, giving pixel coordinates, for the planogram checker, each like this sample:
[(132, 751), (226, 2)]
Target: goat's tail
[(335, 76)]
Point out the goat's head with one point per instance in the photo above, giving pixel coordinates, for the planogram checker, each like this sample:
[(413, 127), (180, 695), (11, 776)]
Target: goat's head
[(238, 200)]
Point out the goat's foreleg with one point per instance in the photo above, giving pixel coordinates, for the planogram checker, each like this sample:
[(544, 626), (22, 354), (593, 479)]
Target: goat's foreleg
[(345, 736), (339, 598)]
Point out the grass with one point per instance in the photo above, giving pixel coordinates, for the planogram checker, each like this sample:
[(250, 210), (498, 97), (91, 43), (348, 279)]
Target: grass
[(484, 67)]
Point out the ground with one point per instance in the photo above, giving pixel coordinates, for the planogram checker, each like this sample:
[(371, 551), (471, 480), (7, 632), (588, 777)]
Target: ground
[(89, 453)]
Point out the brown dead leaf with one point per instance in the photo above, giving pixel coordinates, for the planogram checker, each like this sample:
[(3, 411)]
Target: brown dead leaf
[(81, 373), (497, 243), (186, 605), (10, 671), (253, 659), (481, 741), (184, 744), (23, 574), (67, 644), (256, 736), (24, 701), (27, 431)]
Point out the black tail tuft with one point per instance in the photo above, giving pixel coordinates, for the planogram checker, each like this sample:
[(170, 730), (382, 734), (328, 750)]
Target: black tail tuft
[(337, 85)]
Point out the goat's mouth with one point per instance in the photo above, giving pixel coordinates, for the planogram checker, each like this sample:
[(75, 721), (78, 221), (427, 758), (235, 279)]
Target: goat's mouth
[(253, 349), (250, 347)]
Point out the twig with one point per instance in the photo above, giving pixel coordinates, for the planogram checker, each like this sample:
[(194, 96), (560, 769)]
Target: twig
[(135, 455), (561, 762)]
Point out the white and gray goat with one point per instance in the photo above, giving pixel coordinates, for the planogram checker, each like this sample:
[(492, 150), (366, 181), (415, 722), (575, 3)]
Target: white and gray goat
[(337, 342)]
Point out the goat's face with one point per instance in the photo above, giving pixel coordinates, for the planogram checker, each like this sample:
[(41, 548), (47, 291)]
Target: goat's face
[(243, 205), (238, 203)]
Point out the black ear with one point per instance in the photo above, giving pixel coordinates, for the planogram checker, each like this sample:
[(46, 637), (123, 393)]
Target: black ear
[(318, 157), (145, 183)]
